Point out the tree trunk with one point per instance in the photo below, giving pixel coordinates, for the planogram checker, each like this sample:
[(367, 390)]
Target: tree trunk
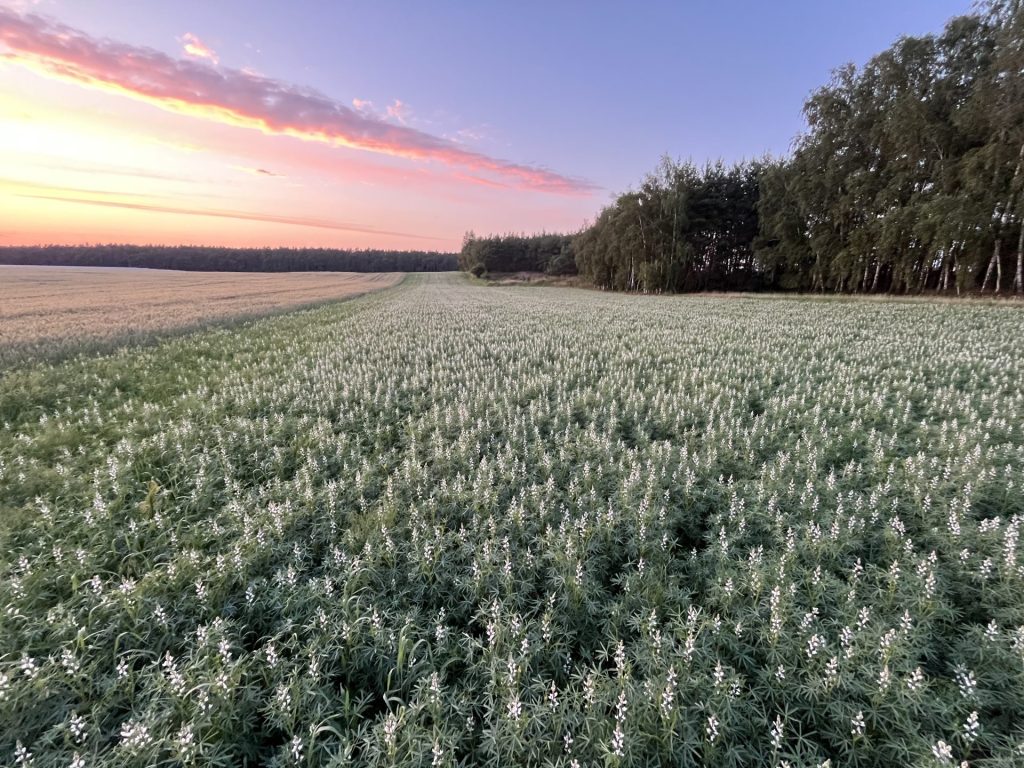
[(999, 272), (1018, 281), (874, 280), (991, 265)]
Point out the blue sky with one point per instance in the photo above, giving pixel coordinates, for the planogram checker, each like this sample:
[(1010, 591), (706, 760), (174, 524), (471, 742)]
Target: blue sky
[(590, 91)]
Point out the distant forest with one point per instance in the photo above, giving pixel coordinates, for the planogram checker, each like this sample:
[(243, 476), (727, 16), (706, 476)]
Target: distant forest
[(909, 178), (202, 259)]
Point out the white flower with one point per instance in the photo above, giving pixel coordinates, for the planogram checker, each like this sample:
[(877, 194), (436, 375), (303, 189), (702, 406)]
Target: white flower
[(916, 679), (29, 668), (857, 724), (390, 730), (618, 740), (668, 696), (965, 680), (620, 659), (943, 752), (814, 644), (972, 727), (78, 728), (134, 736), (185, 740), (711, 728), (776, 733)]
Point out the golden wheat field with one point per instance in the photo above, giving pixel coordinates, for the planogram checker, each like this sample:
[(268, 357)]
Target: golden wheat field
[(47, 304)]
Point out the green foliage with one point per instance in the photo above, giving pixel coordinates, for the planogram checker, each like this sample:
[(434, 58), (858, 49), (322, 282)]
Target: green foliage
[(206, 259), (458, 525), (909, 177), (551, 254), (685, 229)]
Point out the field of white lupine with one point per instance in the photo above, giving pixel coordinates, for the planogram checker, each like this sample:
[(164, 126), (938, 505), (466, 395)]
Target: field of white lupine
[(458, 525)]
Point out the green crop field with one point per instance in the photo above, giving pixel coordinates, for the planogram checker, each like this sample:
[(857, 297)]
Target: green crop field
[(451, 524)]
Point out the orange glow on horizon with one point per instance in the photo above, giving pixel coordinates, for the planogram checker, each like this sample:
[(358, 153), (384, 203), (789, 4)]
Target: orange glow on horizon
[(94, 149)]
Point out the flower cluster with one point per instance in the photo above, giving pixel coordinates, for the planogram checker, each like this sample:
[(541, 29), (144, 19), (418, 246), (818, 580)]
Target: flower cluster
[(449, 524)]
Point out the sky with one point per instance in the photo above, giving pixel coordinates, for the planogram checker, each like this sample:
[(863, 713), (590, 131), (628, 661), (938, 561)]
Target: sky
[(334, 123)]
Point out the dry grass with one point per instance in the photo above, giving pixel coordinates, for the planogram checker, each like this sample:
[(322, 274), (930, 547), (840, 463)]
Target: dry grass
[(52, 306)]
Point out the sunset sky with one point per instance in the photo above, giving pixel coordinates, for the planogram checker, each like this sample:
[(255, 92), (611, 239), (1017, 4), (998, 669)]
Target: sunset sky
[(398, 125)]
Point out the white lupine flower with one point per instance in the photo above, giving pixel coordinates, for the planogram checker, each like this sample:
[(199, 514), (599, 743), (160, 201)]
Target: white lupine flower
[(514, 708), (942, 752), (134, 735), (915, 680), (668, 695), (78, 727), (618, 741), (711, 728), (29, 668), (589, 689), (776, 733), (814, 644), (857, 724), (390, 730), (972, 727), (966, 682), (620, 659)]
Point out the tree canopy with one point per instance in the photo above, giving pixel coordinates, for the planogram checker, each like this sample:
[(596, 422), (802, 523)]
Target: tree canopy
[(551, 254), (205, 259), (909, 177)]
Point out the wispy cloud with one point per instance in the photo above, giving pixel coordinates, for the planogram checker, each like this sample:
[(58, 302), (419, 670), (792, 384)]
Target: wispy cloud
[(256, 171), (244, 99), (22, 188), (197, 49), (301, 221), (399, 111), (94, 169)]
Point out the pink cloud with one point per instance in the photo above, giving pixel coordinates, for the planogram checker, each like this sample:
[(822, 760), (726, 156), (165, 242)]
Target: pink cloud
[(197, 49), (240, 98), (399, 111)]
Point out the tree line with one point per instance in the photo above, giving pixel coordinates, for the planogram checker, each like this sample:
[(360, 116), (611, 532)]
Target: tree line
[(205, 259), (909, 177), (551, 254)]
